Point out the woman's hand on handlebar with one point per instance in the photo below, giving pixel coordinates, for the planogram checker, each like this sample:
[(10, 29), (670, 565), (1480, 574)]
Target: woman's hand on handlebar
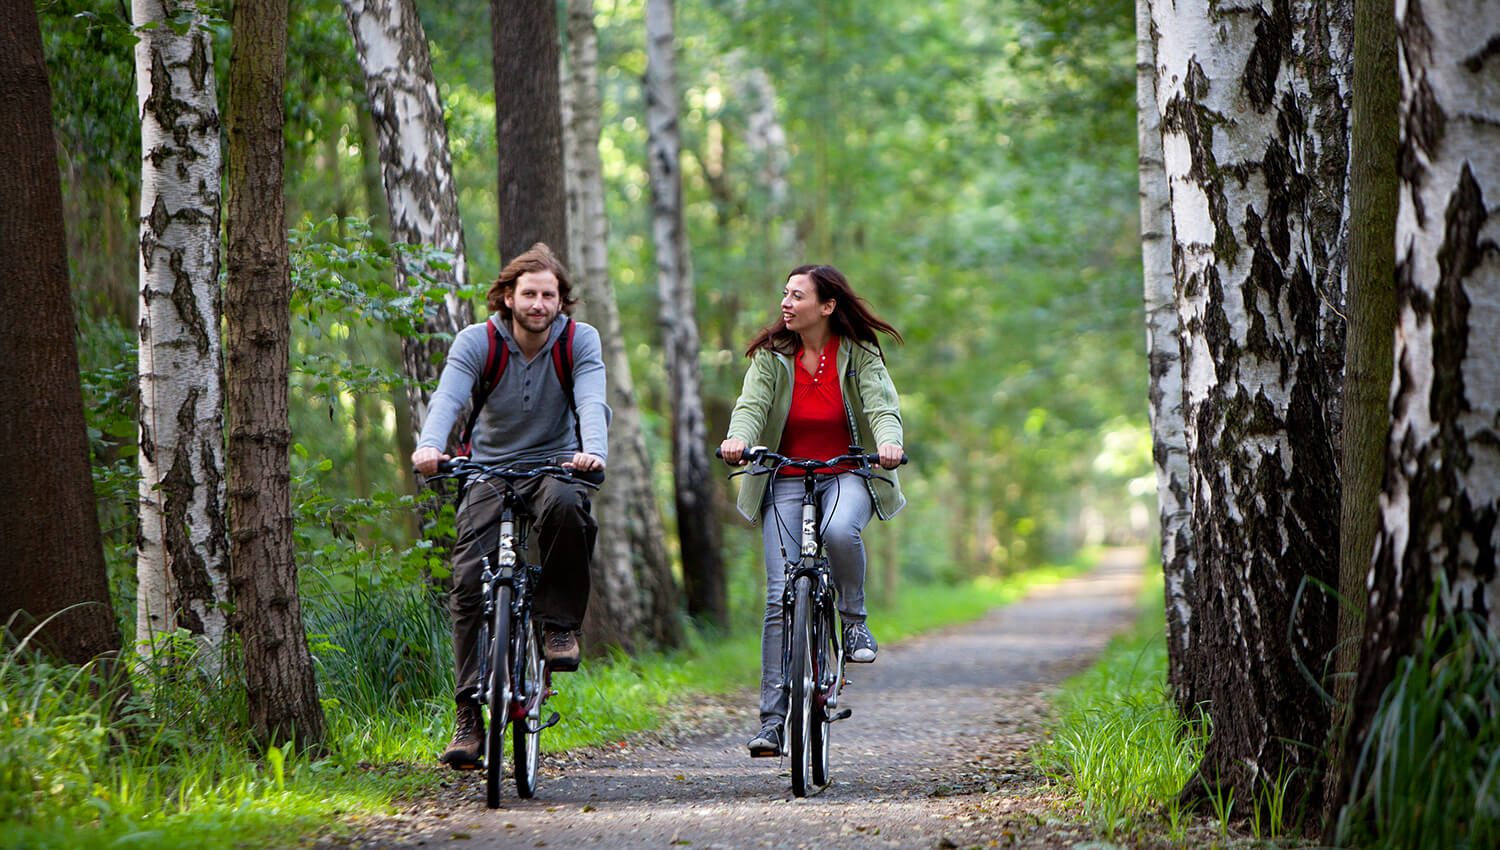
[(426, 459), (732, 450), (891, 456), (584, 462)]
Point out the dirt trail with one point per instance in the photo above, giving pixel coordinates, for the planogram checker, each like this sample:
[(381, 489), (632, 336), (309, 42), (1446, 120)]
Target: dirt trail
[(938, 721)]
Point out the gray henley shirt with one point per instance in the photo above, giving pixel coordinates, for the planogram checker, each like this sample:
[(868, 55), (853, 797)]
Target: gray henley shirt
[(526, 419)]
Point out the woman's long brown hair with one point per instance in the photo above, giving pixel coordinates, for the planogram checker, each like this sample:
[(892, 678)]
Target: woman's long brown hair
[(852, 316)]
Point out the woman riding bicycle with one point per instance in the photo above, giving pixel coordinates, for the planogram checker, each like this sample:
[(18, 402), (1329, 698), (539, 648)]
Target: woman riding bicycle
[(817, 384)]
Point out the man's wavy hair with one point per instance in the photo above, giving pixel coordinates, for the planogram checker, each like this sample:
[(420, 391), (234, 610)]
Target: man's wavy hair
[(538, 258)]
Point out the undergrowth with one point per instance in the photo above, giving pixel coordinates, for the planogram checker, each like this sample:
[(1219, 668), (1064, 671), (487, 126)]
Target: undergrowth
[(1117, 743)]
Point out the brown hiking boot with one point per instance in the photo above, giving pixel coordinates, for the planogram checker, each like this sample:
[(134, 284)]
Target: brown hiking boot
[(467, 746), (561, 648)]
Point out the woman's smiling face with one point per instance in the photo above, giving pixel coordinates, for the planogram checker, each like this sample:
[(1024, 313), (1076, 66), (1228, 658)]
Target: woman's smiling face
[(800, 308)]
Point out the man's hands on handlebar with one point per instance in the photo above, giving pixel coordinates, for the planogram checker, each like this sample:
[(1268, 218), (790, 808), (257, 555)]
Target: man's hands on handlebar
[(584, 462), (733, 453), (426, 459)]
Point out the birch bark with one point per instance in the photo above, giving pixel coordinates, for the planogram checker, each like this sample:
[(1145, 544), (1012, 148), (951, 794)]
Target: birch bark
[(182, 568), (697, 524), (416, 171), (1253, 104), (1435, 551), (1164, 354), (634, 592)]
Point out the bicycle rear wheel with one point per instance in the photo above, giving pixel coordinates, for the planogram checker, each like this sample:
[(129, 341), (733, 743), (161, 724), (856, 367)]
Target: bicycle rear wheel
[(799, 718), (499, 701), (526, 744), (826, 675)]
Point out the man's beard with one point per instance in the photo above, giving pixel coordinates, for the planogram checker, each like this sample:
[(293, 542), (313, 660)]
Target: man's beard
[(535, 324)]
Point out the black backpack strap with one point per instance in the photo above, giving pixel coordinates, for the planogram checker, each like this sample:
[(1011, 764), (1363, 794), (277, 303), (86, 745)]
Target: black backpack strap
[(494, 366), (562, 364)]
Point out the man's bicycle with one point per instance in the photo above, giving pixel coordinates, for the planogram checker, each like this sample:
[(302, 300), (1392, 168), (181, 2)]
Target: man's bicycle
[(514, 681), (812, 660)]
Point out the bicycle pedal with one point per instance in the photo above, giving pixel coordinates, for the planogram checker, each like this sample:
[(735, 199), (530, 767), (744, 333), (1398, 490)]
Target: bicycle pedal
[(841, 715), (551, 721)]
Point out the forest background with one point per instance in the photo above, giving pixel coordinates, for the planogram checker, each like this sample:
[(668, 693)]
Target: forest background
[(969, 166)]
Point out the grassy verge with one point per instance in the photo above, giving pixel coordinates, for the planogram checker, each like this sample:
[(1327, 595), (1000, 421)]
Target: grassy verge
[(176, 771), (1117, 744)]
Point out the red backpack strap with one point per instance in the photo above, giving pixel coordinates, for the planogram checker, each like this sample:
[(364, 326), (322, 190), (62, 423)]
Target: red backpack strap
[(562, 364), (494, 366), (562, 359)]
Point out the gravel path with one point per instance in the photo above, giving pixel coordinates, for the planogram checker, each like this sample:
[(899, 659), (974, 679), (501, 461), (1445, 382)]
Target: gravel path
[(933, 756)]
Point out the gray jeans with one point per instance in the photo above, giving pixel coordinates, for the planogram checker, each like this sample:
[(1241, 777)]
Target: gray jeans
[(562, 541), (845, 501)]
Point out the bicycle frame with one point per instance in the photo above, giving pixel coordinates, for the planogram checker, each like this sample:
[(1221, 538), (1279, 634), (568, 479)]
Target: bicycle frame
[(507, 636), (516, 573), (823, 596), (812, 658)]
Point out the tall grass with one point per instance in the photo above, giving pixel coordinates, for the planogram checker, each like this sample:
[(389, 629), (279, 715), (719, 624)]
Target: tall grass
[(1117, 742), (1429, 771), (75, 774), (385, 666)]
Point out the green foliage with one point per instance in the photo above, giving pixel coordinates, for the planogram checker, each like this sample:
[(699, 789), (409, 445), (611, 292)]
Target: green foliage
[(1117, 742), (163, 771), (1429, 772)]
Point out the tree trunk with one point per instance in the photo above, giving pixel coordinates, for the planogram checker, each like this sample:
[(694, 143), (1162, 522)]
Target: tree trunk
[(1370, 307), (182, 561), (528, 127), (1164, 353), (635, 593), (1254, 141), (697, 522), (50, 544), (283, 698), (417, 172), (1440, 502)]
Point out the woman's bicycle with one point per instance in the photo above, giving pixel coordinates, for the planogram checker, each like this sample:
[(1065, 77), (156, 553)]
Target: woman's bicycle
[(812, 660), (514, 681)]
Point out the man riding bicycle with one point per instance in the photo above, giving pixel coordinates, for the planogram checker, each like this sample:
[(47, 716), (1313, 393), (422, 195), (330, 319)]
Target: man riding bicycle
[(529, 417)]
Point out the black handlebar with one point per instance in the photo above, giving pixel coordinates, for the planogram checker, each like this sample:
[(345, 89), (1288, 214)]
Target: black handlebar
[(461, 466), (770, 458)]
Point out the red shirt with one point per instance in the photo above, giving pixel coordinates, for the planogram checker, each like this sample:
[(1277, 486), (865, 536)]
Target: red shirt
[(817, 425)]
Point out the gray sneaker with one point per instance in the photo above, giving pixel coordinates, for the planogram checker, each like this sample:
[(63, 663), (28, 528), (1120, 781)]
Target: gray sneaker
[(468, 737), (767, 742), (859, 644)]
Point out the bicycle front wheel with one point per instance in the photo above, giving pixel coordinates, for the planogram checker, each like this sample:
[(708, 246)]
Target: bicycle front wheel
[(799, 676), (826, 673), (526, 740), (499, 699)]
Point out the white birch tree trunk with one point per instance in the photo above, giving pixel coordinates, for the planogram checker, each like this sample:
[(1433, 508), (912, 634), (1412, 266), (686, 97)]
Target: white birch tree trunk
[(697, 525), (182, 565), (634, 594), (417, 172), (1441, 499), (1164, 353), (766, 140), (1254, 136), (1435, 550)]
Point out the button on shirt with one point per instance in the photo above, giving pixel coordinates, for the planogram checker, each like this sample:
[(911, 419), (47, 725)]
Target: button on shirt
[(817, 425)]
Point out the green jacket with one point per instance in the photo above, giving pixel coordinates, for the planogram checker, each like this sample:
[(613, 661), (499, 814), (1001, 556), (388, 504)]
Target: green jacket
[(870, 402)]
